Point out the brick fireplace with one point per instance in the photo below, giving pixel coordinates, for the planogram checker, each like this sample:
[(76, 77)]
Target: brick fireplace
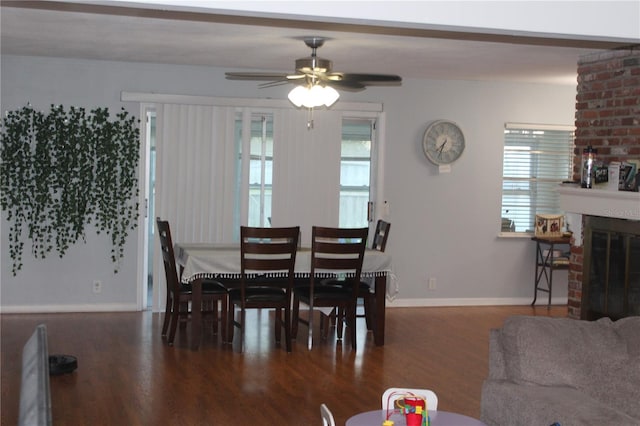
[(608, 119)]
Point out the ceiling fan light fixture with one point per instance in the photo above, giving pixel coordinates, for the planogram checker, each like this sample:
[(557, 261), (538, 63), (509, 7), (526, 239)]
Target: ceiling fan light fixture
[(313, 96)]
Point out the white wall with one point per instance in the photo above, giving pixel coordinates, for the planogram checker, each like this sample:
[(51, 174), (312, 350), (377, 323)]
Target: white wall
[(446, 225), (443, 226)]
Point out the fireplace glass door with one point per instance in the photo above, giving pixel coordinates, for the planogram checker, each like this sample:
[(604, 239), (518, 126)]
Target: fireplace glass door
[(611, 269)]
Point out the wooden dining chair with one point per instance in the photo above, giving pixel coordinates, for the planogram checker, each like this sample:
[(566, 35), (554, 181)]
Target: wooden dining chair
[(369, 298), (336, 265), (379, 242), (179, 294), (267, 263)]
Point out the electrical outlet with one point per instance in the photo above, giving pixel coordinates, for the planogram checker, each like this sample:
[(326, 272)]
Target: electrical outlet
[(432, 283), (97, 286)]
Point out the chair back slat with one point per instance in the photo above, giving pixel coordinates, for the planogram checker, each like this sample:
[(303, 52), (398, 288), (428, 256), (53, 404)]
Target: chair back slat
[(268, 246), (336, 264), (268, 250), (339, 251), (265, 265), (350, 246)]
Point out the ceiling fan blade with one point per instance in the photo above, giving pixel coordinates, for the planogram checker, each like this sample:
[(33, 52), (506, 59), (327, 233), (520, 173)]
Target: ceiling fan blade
[(314, 70), (353, 86), (296, 76), (368, 79), (274, 83), (254, 76)]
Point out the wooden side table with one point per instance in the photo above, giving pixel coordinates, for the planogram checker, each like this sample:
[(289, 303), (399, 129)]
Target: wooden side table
[(547, 262)]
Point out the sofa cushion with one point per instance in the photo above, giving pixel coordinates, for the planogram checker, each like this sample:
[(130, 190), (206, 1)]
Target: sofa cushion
[(617, 386), (629, 329), (559, 351), (508, 404)]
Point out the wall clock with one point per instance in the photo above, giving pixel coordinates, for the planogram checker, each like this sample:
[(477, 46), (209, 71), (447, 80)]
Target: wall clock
[(443, 142)]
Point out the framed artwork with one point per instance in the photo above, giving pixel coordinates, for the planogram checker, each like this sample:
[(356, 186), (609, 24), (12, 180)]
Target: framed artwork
[(549, 225)]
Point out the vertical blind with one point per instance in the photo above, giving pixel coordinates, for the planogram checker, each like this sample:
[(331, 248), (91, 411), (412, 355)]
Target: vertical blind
[(195, 175), (537, 158), (306, 170)]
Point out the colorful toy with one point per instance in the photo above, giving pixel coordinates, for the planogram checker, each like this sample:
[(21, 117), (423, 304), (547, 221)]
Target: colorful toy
[(413, 407)]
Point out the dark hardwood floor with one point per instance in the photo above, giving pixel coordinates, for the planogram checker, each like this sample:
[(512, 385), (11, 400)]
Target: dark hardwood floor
[(127, 375)]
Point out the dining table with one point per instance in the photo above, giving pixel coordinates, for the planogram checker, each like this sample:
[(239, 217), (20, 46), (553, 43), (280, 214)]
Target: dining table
[(436, 418), (200, 261)]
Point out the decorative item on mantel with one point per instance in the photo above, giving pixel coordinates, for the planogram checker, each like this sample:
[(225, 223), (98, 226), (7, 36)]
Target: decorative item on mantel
[(629, 176), (615, 176), (619, 176), (588, 166)]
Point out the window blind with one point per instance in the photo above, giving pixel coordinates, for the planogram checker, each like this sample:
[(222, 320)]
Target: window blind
[(537, 158)]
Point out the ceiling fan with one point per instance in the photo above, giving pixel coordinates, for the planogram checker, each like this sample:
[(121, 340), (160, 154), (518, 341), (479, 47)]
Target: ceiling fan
[(313, 70)]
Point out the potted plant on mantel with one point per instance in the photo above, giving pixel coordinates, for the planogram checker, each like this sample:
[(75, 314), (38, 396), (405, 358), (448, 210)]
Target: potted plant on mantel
[(63, 170)]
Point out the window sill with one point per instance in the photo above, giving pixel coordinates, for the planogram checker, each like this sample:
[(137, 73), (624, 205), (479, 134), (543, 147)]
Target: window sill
[(510, 235)]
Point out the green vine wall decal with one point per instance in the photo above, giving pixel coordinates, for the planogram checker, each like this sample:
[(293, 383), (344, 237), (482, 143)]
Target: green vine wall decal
[(64, 170)]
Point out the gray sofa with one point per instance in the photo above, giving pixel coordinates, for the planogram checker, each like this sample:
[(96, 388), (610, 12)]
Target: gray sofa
[(545, 370)]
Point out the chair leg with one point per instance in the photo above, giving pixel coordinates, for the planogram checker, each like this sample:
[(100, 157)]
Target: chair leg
[(310, 324), (230, 322), (214, 308), (224, 308), (175, 317), (167, 315), (351, 323), (243, 314), (339, 322), (184, 307), (295, 317), (369, 306), (325, 321), (287, 328), (278, 324)]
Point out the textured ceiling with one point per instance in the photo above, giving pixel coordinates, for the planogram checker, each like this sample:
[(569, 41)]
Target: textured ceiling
[(266, 44)]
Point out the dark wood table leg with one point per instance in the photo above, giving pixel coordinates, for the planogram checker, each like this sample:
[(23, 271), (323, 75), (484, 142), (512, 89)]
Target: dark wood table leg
[(196, 314), (379, 312)]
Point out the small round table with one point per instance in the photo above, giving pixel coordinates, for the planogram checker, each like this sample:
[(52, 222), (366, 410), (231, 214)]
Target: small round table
[(438, 418)]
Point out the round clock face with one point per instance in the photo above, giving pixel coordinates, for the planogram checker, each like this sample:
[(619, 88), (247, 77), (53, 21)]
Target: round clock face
[(443, 142)]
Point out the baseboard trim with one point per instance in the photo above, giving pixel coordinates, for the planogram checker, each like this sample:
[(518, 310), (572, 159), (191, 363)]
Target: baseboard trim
[(397, 303), (48, 309), (514, 301)]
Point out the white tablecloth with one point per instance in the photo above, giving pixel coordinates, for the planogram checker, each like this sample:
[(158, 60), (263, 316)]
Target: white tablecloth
[(202, 260)]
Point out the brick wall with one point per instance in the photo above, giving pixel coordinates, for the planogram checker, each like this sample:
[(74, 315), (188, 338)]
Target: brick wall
[(608, 119)]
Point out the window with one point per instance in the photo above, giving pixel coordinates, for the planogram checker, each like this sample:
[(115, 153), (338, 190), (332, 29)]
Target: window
[(536, 159), (260, 168), (355, 172), (255, 173)]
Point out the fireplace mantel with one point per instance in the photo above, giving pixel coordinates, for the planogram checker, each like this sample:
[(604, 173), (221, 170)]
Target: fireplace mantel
[(600, 202), (576, 201)]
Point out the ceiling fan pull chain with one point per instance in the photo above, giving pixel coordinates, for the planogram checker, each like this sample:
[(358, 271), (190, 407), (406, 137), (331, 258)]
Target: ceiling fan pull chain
[(310, 119)]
